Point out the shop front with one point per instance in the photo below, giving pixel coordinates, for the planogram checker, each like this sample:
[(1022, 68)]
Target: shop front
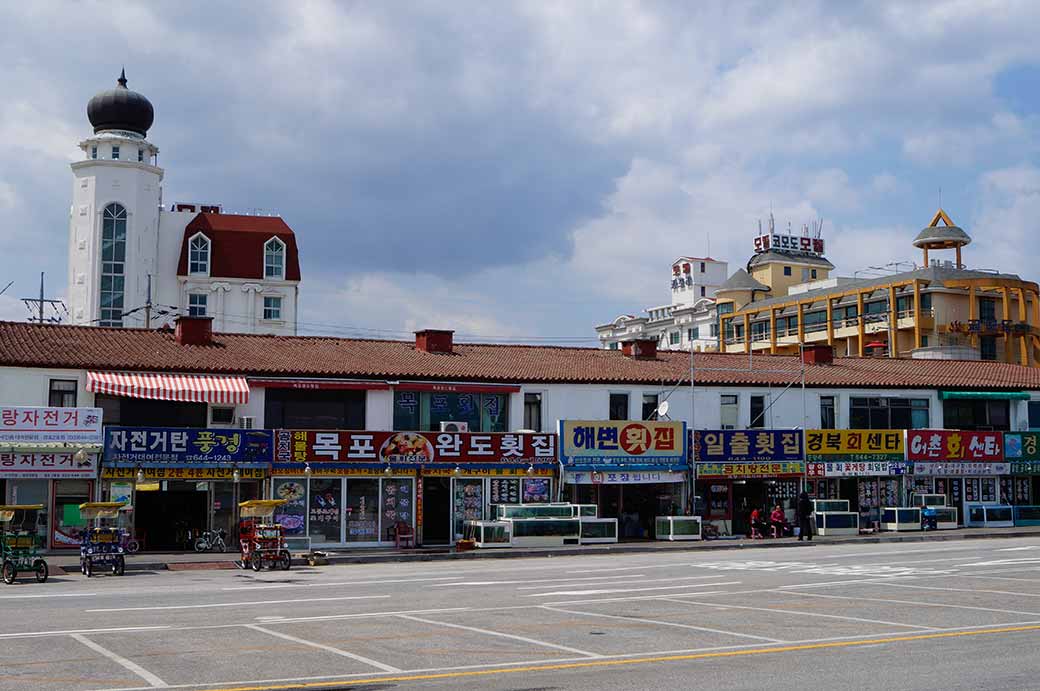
[(356, 489), (738, 471), (1022, 451), (865, 467), (633, 471), (180, 482), (52, 459), (966, 466)]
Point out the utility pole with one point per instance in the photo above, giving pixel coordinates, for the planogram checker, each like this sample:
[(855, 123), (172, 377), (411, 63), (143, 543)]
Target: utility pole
[(148, 305), (39, 305)]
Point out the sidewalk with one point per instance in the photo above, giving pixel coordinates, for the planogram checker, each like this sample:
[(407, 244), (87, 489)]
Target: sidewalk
[(177, 561)]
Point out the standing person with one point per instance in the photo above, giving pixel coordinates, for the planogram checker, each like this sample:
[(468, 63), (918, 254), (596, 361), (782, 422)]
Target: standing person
[(804, 512)]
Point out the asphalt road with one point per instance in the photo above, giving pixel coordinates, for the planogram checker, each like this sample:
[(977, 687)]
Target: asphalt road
[(941, 615)]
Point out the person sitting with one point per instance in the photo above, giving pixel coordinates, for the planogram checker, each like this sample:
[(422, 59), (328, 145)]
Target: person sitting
[(758, 526), (778, 521)]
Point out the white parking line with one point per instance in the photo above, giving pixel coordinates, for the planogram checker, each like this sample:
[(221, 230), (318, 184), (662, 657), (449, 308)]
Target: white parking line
[(789, 611), (607, 591), (271, 586), (657, 622), (639, 597), (326, 648), (239, 604), (906, 602), (39, 634), (137, 669), (960, 590), (33, 597), (612, 579), (535, 580), (488, 632)]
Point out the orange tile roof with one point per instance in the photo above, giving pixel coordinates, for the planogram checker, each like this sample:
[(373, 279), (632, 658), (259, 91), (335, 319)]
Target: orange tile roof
[(83, 347)]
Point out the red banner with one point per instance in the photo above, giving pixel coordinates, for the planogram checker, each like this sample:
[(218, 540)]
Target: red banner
[(315, 446), (953, 445)]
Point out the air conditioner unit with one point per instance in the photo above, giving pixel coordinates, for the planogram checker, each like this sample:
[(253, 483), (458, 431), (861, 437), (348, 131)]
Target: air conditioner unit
[(246, 422), (454, 426)]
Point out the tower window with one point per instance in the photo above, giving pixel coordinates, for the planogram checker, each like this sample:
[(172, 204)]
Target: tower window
[(274, 259), (198, 255), (115, 153), (197, 303), (702, 291), (140, 155), (113, 265), (272, 308), (93, 152), (787, 271)]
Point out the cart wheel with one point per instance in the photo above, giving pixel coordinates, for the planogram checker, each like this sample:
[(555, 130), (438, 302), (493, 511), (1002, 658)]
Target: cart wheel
[(10, 572), (284, 561), (119, 566), (88, 568), (257, 562), (40, 567)]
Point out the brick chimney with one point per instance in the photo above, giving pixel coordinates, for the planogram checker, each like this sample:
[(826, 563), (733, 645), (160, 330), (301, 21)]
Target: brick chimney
[(194, 331), (640, 349), (818, 355), (434, 341)]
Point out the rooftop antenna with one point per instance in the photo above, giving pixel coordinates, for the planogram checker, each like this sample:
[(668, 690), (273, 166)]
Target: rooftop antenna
[(772, 221)]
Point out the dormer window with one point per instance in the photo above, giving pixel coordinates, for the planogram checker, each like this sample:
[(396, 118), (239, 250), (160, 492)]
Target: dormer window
[(274, 259), (198, 255)]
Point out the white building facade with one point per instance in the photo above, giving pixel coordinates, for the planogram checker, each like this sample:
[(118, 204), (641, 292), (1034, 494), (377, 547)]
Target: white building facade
[(128, 253), (689, 320)]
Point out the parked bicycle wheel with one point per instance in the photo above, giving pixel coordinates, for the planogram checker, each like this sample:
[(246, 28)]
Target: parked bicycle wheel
[(201, 545), (40, 568)]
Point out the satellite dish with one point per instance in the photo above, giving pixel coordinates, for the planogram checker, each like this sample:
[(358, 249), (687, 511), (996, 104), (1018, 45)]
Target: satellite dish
[(662, 409)]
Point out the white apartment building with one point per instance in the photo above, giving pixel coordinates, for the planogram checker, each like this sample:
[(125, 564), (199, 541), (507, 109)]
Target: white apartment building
[(689, 318)]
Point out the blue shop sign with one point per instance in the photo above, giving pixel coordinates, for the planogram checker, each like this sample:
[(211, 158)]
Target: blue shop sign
[(747, 445), (181, 446)]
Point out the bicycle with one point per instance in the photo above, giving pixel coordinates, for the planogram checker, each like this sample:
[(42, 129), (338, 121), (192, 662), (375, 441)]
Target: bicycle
[(211, 541)]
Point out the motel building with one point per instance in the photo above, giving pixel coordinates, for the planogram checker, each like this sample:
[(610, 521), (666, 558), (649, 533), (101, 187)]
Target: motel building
[(366, 438)]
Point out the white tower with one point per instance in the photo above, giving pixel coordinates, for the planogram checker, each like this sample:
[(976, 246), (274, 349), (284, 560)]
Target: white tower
[(114, 219)]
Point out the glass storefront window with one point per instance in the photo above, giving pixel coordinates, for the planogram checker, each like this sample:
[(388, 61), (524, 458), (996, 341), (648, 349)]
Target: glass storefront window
[(468, 503), (397, 506), (292, 515), (425, 411), (362, 507), (324, 515), (31, 492), (68, 527)]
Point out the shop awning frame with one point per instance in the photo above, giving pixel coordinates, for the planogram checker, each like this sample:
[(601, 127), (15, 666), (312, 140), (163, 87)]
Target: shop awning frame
[(318, 384), (184, 388), (989, 395)]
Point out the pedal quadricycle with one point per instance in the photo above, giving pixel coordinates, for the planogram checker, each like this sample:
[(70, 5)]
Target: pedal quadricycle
[(19, 542), (262, 541), (103, 545)]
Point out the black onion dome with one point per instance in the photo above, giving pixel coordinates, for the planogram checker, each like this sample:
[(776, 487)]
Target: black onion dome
[(120, 109)]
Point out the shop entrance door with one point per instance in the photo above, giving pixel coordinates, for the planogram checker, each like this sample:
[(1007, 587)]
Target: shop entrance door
[(436, 506), (747, 496), (165, 519)]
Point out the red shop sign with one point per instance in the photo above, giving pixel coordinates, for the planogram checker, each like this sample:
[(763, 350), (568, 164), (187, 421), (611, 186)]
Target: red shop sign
[(315, 446), (954, 445)]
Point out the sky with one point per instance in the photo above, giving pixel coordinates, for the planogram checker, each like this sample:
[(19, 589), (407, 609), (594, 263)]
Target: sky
[(523, 171)]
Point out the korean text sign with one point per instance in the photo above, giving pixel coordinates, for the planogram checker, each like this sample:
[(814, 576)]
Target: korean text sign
[(1022, 446), (750, 470), (859, 445), (748, 446), (60, 465), (51, 425), (187, 446), (605, 442), (949, 445), (314, 446)]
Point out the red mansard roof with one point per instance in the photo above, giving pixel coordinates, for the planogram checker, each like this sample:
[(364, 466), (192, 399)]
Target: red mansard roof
[(237, 245), (84, 347)]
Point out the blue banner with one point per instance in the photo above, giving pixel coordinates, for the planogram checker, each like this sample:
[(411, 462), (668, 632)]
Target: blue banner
[(747, 445), (169, 446)]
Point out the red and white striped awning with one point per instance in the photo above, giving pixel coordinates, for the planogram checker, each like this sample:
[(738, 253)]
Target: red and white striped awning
[(188, 388)]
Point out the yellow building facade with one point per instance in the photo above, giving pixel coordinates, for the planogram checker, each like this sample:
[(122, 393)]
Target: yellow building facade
[(941, 309)]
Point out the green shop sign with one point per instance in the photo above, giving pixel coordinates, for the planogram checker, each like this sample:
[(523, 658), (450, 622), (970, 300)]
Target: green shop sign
[(1021, 446)]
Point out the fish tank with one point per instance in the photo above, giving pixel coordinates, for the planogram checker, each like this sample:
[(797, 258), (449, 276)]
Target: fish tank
[(678, 528), (489, 534), (507, 511), (545, 531), (901, 518), (837, 523), (1027, 515), (988, 516), (598, 530), (828, 505)]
